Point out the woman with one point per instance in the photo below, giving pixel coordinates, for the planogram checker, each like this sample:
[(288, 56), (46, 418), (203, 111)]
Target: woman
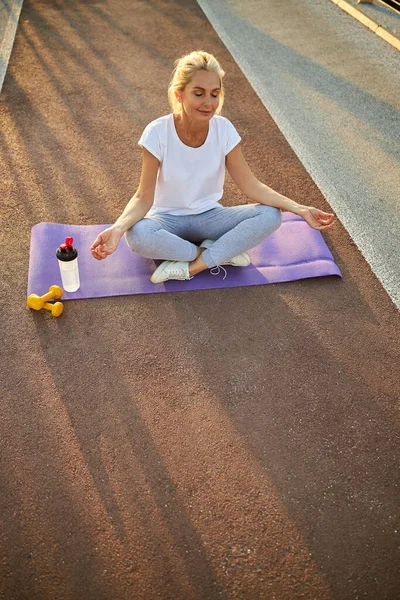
[(184, 155)]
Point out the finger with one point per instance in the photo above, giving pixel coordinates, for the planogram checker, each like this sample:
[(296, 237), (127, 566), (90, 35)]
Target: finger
[(95, 250), (98, 253), (105, 252), (325, 218), (97, 242), (324, 223), (324, 227)]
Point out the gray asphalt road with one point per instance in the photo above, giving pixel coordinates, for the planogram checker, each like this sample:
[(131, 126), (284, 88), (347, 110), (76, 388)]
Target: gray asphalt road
[(9, 15), (381, 14), (332, 86)]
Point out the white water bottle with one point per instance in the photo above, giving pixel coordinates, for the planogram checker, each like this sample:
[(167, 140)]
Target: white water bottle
[(68, 262)]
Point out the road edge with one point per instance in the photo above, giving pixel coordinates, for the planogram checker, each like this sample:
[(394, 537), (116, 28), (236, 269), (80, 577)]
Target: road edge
[(7, 43)]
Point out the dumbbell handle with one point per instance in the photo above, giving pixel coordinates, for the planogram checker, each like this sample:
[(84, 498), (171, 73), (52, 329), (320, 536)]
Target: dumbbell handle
[(47, 296), (48, 305), (56, 308)]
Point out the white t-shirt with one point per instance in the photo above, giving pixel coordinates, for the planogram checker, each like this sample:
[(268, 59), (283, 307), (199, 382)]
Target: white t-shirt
[(189, 180)]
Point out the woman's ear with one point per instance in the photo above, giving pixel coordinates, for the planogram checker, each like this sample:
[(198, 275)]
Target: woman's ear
[(178, 96)]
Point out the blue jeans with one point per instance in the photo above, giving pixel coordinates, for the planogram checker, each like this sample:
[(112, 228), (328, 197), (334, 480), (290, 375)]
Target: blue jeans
[(235, 229)]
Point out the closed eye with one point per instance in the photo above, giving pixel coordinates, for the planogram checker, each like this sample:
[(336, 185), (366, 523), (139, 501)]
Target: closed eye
[(198, 95)]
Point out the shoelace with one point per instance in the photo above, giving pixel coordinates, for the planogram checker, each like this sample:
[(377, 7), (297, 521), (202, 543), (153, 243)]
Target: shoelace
[(218, 267)]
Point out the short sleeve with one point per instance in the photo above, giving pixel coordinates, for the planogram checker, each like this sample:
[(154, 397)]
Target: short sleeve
[(232, 137), (151, 141)]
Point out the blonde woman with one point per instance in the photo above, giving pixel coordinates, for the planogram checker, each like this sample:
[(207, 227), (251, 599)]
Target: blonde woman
[(175, 214)]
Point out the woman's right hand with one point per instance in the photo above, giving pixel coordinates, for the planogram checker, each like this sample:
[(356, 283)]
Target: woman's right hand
[(106, 243)]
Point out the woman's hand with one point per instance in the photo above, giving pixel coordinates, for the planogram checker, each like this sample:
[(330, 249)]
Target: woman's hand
[(106, 243), (317, 219)]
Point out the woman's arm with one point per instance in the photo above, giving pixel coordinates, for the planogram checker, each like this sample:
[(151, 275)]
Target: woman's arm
[(257, 191), (138, 206)]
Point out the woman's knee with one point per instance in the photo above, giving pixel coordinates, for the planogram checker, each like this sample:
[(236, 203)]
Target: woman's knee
[(271, 215), (138, 235)]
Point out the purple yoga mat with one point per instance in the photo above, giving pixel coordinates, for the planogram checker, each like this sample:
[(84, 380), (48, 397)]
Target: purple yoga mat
[(294, 251)]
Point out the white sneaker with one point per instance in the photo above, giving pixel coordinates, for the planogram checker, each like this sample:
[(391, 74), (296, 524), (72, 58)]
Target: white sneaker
[(171, 269), (241, 260)]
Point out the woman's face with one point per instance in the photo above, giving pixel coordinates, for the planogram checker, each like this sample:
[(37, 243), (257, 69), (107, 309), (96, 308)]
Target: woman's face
[(200, 98)]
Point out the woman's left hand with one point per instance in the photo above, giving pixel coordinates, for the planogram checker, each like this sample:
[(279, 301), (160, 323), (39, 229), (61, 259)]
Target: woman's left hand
[(317, 219)]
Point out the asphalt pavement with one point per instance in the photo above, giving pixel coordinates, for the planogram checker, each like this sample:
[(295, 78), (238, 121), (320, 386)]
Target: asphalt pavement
[(236, 443)]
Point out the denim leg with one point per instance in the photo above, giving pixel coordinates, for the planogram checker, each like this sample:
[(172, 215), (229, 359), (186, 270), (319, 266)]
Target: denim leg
[(159, 237), (235, 229)]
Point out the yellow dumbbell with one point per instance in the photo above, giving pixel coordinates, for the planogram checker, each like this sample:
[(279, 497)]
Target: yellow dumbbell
[(38, 302)]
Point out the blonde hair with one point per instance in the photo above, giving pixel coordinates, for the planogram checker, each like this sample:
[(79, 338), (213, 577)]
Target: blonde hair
[(185, 67)]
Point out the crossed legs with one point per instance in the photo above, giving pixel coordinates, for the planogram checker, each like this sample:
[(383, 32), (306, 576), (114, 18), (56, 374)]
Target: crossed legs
[(235, 229)]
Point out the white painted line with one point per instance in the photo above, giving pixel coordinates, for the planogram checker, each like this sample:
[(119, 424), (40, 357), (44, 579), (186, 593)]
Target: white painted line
[(385, 35)]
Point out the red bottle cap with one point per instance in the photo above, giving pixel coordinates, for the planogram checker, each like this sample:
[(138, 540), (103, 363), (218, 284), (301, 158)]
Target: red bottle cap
[(66, 251), (67, 244)]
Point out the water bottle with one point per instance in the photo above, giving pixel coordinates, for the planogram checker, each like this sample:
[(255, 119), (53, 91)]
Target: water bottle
[(68, 262)]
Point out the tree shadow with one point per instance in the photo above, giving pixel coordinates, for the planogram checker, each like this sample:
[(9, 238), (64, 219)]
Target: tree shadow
[(105, 447), (300, 374)]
